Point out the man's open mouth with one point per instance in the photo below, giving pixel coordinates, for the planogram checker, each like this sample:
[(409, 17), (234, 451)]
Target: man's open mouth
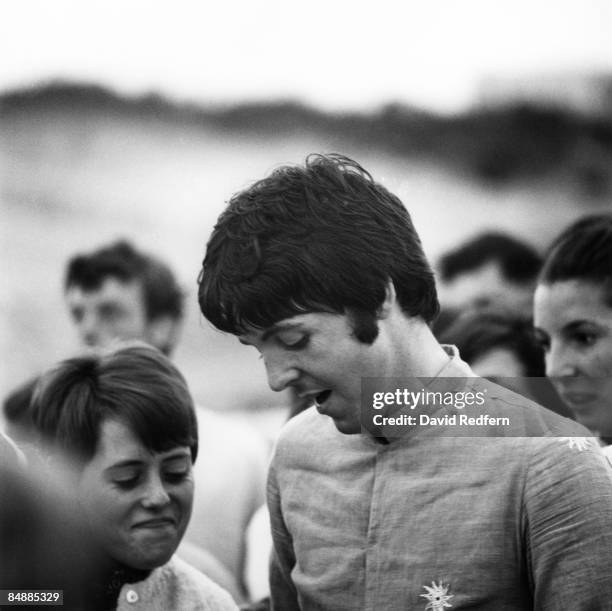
[(322, 397)]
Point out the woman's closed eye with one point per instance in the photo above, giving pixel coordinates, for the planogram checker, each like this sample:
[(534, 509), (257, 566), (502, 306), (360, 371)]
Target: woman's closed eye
[(127, 480), (176, 469), (176, 476)]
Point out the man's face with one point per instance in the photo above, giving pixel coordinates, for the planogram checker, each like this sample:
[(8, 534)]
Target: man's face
[(486, 286), (318, 356), (114, 311)]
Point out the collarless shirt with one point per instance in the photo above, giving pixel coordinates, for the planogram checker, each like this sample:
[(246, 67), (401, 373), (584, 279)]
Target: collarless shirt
[(427, 521)]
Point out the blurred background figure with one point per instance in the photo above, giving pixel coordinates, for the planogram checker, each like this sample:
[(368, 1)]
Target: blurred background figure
[(501, 346), (117, 292), (496, 343), (44, 543), (573, 320), (123, 425), (492, 269)]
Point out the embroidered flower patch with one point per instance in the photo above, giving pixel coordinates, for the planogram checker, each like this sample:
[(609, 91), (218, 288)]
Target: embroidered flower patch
[(580, 443), (437, 596)]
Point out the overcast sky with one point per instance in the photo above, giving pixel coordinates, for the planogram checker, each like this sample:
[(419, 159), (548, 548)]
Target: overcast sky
[(332, 53)]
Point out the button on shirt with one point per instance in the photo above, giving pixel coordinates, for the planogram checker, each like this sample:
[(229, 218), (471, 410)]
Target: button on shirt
[(432, 522)]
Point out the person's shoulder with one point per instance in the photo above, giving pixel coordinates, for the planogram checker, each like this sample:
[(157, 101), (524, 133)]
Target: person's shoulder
[(192, 589), (303, 434), (527, 418), (306, 425), (568, 458)]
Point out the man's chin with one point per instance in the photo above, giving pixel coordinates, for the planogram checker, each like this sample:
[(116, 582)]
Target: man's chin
[(347, 427)]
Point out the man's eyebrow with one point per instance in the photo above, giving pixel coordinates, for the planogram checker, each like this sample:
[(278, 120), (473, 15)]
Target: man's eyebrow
[(278, 327), (275, 328)]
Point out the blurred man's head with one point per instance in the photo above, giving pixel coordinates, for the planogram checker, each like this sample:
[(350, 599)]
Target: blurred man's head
[(118, 292), (492, 269)]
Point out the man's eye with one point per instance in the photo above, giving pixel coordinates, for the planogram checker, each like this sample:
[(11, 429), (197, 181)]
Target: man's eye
[(293, 341)]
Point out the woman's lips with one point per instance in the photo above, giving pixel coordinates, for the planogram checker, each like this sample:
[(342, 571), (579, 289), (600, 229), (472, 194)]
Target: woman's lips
[(578, 399), (155, 523)]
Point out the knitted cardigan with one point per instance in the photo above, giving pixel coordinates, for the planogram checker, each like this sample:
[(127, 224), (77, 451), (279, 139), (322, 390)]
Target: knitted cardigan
[(175, 586)]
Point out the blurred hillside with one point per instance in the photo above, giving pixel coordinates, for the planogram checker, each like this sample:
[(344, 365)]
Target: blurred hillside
[(81, 166), (501, 144)]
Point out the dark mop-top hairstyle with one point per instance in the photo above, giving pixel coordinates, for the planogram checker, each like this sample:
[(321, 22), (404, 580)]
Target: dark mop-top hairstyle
[(322, 237), (161, 292)]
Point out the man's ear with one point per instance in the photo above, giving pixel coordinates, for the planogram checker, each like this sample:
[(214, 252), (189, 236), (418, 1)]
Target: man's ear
[(390, 300), (163, 332)]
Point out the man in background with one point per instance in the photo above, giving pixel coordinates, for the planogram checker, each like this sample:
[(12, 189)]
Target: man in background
[(490, 270), (119, 292)]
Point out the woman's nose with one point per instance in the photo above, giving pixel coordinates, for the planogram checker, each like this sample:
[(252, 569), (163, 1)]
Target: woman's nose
[(561, 361), (155, 494)]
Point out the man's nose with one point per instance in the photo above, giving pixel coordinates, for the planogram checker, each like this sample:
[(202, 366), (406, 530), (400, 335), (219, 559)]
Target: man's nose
[(561, 361), (89, 330), (281, 373)]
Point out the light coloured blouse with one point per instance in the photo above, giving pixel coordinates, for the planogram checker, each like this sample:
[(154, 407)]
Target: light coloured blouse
[(175, 586)]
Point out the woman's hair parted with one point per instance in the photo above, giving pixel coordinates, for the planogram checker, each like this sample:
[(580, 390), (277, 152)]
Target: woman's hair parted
[(583, 251), (133, 383)]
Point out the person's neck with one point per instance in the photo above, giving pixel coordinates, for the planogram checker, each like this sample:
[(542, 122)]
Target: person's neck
[(418, 352)]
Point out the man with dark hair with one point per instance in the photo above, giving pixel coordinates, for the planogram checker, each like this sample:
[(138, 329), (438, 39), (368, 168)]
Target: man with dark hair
[(118, 291), (321, 270), (490, 269)]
